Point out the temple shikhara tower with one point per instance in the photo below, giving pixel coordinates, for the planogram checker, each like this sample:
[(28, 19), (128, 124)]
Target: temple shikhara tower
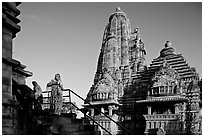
[(163, 98), (126, 97)]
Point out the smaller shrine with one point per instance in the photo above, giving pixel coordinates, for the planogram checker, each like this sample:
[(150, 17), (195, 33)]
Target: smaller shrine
[(166, 94), (104, 98), (165, 102)]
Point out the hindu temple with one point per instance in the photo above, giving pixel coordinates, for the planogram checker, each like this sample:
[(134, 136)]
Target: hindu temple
[(163, 98), (126, 97)]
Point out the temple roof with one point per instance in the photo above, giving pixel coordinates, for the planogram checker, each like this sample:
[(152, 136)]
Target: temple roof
[(118, 11), (163, 99), (167, 50), (102, 102), (176, 61), (17, 66)]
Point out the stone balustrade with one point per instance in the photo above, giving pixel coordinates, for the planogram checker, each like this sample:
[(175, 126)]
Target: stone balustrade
[(171, 123), (104, 96), (104, 123), (163, 117), (101, 117)]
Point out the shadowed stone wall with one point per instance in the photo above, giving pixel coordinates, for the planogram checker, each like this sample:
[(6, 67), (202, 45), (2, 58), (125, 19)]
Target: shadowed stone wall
[(11, 69)]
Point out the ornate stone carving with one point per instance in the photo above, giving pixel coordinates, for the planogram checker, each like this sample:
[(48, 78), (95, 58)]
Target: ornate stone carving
[(165, 76)]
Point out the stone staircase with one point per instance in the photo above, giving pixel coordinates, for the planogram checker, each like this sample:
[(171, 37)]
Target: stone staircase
[(66, 124)]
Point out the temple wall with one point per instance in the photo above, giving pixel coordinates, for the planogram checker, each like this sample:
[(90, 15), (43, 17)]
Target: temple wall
[(123, 54), (11, 69)]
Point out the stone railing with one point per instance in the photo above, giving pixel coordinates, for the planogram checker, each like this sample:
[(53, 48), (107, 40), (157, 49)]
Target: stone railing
[(163, 117), (104, 122), (107, 124), (104, 96), (171, 123)]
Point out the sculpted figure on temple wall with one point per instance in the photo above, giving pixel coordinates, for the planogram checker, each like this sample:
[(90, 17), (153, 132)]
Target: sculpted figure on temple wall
[(38, 96), (56, 94)]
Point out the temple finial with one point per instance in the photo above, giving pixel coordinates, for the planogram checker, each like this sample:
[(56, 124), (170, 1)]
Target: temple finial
[(167, 44), (136, 30), (118, 9)]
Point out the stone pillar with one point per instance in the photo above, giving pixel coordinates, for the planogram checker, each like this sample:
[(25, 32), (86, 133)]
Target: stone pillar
[(110, 110), (164, 90), (92, 112), (167, 89), (147, 127), (172, 89), (162, 124), (102, 110), (176, 108), (181, 90), (148, 94), (149, 110)]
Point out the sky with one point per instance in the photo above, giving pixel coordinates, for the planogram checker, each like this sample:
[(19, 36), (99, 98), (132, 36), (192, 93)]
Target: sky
[(66, 38)]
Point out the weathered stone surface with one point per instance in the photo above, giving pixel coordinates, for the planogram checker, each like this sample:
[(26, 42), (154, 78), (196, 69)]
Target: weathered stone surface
[(166, 86), (122, 54), (7, 122), (6, 39), (9, 29), (7, 131), (6, 77), (63, 125)]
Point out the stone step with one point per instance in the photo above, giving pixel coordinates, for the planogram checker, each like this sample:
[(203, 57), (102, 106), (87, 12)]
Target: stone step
[(70, 127), (59, 119), (88, 128), (74, 129), (76, 121), (67, 124), (84, 133)]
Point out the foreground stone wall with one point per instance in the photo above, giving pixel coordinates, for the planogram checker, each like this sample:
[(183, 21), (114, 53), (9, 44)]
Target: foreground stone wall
[(11, 69)]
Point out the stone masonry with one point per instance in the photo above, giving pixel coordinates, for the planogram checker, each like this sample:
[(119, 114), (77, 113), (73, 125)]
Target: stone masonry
[(11, 68), (144, 99)]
